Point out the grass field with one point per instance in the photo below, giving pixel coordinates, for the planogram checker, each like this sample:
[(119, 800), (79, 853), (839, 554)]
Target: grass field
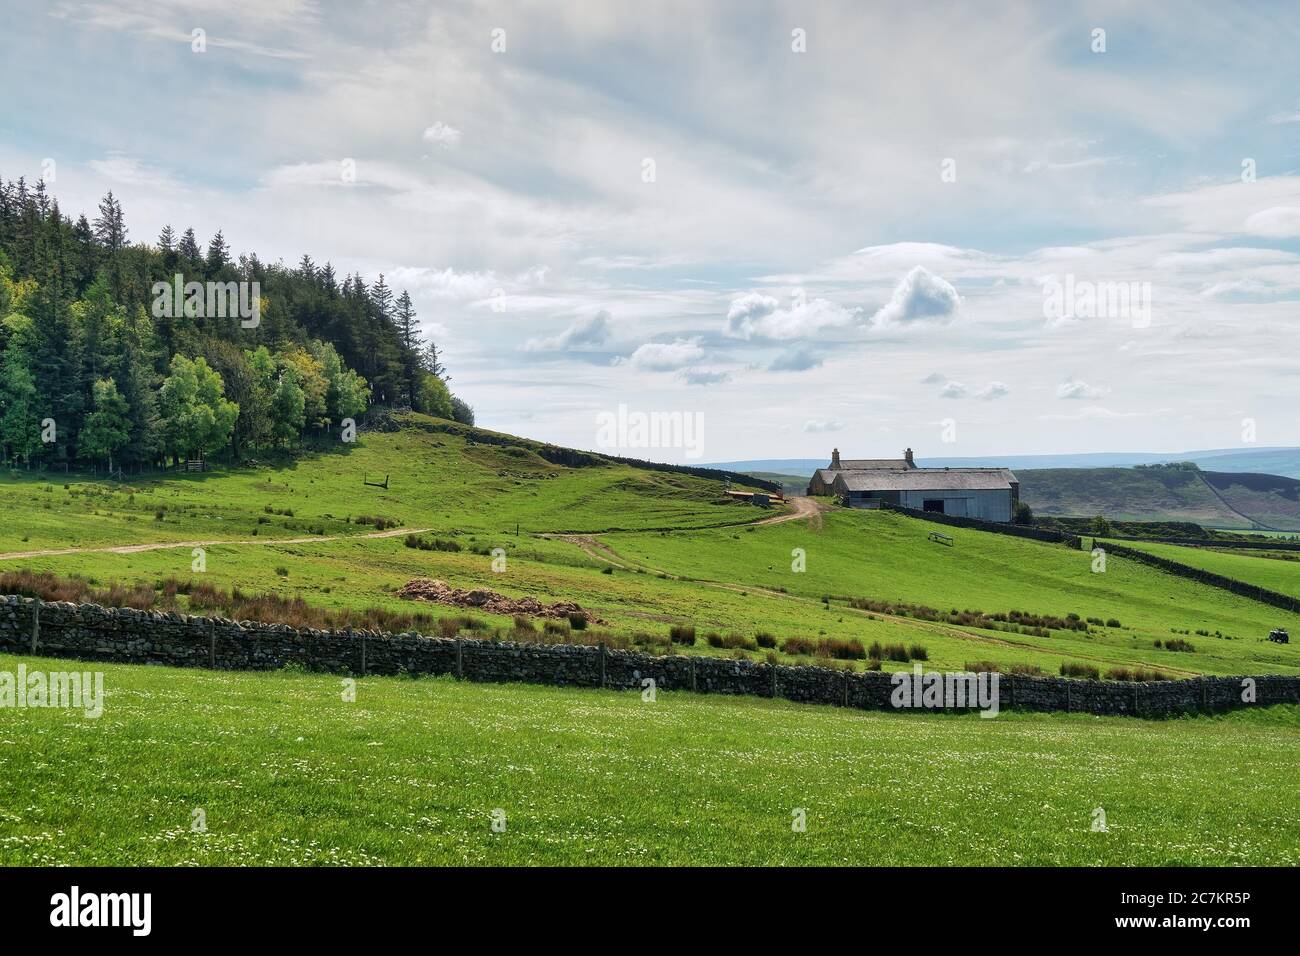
[(691, 559), (1276, 570), (887, 556), (287, 773)]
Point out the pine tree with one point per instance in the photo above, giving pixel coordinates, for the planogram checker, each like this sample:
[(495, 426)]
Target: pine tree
[(189, 248), (167, 239), (382, 298), (218, 254), (110, 226), (409, 332), (432, 363), (56, 350)]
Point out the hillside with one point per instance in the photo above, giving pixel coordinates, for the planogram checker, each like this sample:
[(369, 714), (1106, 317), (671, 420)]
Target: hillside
[(640, 549), (1215, 499)]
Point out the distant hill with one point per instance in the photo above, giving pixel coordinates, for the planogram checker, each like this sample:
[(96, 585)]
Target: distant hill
[(1269, 460), (1216, 499)]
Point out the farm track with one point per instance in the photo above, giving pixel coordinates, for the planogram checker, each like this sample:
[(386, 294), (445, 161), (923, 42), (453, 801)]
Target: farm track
[(805, 509), (212, 543)]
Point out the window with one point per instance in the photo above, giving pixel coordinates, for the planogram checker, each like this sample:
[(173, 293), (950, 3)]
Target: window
[(933, 504)]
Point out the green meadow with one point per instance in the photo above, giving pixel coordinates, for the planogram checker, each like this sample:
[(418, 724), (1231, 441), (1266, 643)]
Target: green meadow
[(280, 770), (1276, 570)]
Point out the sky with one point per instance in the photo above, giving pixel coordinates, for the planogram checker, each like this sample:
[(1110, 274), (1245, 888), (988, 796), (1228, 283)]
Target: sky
[(971, 229)]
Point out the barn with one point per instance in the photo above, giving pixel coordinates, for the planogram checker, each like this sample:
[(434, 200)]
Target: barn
[(989, 494), (824, 478)]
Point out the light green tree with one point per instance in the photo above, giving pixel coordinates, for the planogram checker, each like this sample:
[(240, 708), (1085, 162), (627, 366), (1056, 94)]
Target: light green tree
[(196, 416), (288, 406), (108, 427)]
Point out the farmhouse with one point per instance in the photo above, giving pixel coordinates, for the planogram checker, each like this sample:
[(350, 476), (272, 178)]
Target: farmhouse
[(987, 493)]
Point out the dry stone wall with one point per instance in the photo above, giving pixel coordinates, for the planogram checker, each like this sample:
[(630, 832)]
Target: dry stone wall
[(92, 633)]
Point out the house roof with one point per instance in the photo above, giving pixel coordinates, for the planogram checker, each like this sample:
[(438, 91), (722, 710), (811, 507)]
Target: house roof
[(926, 479), (825, 474)]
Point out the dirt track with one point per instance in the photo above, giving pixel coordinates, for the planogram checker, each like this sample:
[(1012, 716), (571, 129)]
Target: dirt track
[(163, 545)]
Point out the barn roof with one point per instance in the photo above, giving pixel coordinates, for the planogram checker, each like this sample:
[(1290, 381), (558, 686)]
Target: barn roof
[(926, 479)]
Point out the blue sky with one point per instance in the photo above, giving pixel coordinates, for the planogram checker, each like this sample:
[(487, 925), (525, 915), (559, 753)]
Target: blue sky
[(849, 245)]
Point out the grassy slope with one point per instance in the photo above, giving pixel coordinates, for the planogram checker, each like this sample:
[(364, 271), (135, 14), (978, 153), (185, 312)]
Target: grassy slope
[(1277, 571), (289, 774), (438, 480), (475, 492), (887, 556)]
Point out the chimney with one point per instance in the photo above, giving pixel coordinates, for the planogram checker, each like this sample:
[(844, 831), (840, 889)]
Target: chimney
[(907, 455), (835, 458)]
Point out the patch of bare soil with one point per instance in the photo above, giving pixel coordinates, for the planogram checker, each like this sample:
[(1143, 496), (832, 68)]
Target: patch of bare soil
[(490, 602)]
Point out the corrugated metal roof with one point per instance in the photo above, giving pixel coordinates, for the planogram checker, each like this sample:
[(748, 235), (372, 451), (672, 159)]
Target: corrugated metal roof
[(926, 479)]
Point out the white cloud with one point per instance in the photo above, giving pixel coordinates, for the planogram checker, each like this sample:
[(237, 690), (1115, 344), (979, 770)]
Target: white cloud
[(119, 168), (821, 425), (992, 391), (799, 360), (440, 134), (1279, 222), (953, 390), (664, 356), (582, 333), (920, 297), (1073, 388), (760, 316)]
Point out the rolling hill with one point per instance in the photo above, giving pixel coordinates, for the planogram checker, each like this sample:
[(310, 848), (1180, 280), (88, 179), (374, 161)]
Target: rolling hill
[(641, 549), (1228, 500)]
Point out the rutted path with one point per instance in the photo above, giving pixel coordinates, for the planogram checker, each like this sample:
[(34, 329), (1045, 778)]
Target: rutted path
[(215, 542)]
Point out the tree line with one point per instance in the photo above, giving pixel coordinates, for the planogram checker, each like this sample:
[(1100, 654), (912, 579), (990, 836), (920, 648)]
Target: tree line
[(97, 368)]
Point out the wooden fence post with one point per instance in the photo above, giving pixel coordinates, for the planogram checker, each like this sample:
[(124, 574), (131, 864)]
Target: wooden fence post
[(460, 659), (36, 622), (692, 675), (846, 688), (363, 653), (773, 666), (1137, 710), (212, 644), (1067, 695), (602, 665)]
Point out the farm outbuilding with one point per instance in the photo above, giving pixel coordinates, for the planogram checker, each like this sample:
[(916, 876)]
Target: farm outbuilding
[(985, 493)]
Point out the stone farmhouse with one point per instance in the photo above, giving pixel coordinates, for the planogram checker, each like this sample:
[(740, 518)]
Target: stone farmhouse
[(986, 493)]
